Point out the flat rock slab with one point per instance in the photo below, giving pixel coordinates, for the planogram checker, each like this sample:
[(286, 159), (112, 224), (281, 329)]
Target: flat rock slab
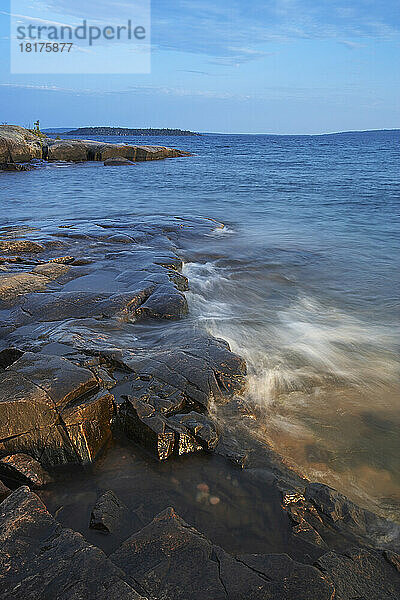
[(40, 560)]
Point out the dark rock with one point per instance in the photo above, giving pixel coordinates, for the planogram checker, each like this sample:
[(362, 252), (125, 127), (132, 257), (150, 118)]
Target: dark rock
[(173, 561), (50, 409), (88, 425), (165, 398), (164, 303), (66, 305), (360, 573), (15, 167), (59, 378), (109, 513), (112, 162), (8, 356), (143, 424), (40, 560), (292, 579), (21, 468), (204, 370), (344, 515), (4, 491), (201, 427), (180, 281)]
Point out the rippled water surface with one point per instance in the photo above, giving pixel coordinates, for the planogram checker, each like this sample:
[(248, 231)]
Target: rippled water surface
[(303, 280)]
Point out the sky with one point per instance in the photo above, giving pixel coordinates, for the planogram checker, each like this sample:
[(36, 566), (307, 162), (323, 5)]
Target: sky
[(229, 66)]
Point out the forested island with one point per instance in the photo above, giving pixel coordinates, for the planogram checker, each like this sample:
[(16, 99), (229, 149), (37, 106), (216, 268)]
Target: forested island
[(126, 131)]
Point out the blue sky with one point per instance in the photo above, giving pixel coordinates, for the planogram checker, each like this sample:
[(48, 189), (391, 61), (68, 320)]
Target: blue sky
[(280, 66)]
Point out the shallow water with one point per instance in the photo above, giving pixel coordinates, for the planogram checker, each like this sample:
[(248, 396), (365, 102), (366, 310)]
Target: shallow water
[(303, 281)]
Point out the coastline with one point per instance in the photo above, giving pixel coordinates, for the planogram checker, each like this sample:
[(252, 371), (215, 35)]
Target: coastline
[(105, 365)]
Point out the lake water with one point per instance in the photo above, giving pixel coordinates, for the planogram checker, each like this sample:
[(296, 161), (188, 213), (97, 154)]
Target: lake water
[(303, 280)]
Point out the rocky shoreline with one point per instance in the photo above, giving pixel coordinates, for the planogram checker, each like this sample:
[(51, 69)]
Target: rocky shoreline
[(18, 146), (99, 357)]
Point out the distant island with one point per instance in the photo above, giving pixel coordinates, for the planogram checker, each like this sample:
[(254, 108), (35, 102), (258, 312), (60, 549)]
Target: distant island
[(124, 131)]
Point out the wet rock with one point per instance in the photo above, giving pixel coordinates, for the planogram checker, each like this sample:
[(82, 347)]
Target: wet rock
[(204, 370), (344, 515), (88, 425), (14, 285), (113, 162), (164, 398), (8, 356), (180, 281), (40, 560), (292, 579), (164, 303), (360, 573), (66, 305), (201, 427), (51, 409), (109, 513), (171, 560), (24, 469), (59, 378), (10, 166), (144, 425), (20, 246), (52, 270), (4, 491)]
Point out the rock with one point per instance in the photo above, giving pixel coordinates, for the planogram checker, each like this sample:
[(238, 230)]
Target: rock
[(296, 580), (88, 425), (21, 145), (81, 150), (51, 270), (20, 246), (203, 370), (141, 423), (18, 144), (113, 162), (67, 150), (344, 515), (173, 561), (201, 427), (109, 513), (22, 468), (14, 285), (4, 491), (40, 560), (360, 573), (62, 381), (66, 305), (164, 303), (52, 410), (11, 166)]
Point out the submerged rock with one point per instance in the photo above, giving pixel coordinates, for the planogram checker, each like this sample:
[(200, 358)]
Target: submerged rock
[(170, 560), (40, 560), (109, 513), (113, 162), (21, 468)]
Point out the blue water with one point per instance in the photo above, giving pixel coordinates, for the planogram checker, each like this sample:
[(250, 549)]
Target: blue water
[(304, 280)]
